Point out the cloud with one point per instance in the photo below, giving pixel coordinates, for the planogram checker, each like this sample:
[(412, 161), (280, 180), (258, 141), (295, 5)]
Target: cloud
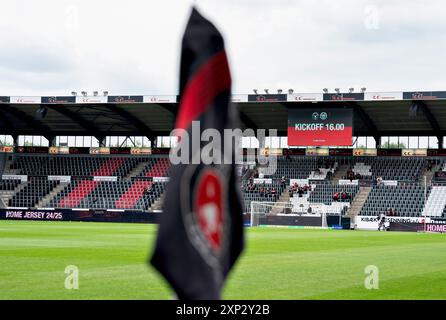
[(133, 47)]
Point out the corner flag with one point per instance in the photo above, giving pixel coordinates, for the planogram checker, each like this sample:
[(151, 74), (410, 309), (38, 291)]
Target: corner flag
[(200, 234)]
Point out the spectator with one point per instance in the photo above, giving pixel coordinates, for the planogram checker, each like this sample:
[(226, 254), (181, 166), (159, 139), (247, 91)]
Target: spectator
[(283, 181), (350, 175), (429, 165), (336, 196), (379, 180)]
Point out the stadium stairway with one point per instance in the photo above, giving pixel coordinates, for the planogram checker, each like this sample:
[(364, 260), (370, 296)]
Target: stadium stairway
[(7, 168), (3, 159), (133, 194), (43, 203), (284, 197), (137, 170), (429, 175), (358, 202), (85, 187), (7, 195), (436, 202), (340, 173), (158, 204)]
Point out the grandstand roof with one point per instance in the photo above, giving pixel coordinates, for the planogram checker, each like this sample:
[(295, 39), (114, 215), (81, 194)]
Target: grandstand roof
[(375, 114)]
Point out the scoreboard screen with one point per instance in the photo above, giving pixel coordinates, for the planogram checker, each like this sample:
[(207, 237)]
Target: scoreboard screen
[(320, 127)]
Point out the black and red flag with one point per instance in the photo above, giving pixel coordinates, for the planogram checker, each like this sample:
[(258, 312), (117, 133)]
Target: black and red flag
[(200, 234)]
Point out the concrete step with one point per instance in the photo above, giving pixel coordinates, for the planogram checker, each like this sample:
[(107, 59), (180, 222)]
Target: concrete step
[(43, 203), (339, 174), (158, 204), (137, 170), (358, 202), (9, 194)]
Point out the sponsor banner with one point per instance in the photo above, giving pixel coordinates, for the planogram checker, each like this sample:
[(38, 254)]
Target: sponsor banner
[(15, 177), (424, 95), (418, 227), (160, 179), (267, 97), (79, 150), (6, 149), (320, 127), (379, 96), (300, 182), (271, 152), (317, 152), (343, 96), (371, 222), (436, 152), (389, 152), (343, 182), (58, 150), (124, 150), (4, 99), (305, 97), (291, 220), (140, 151), (78, 215), (60, 178), (91, 99), (125, 99), (160, 99), (340, 152), (414, 152), (390, 182), (261, 181), (105, 178), (294, 152), (32, 149), (61, 99), (64, 150), (365, 152), (160, 150), (100, 150), (239, 98), (26, 100), (431, 227), (440, 175)]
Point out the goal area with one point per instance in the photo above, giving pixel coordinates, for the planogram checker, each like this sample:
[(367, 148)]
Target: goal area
[(260, 211)]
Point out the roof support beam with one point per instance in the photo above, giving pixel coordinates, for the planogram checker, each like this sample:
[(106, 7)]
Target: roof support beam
[(5, 121), (74, 116), (429, 116), (141, 126), (247, 121), (365, 118), (37, 127)]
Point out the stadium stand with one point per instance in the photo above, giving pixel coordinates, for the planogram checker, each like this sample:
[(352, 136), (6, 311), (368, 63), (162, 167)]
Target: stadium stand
[(389, 168), (134, 187), (407, 199), (34, 190), (83, 191)]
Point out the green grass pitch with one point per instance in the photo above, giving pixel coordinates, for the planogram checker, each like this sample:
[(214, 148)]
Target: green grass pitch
[(278, 263)]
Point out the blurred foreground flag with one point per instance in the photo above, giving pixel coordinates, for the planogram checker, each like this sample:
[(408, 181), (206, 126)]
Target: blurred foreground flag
[(200, 234)]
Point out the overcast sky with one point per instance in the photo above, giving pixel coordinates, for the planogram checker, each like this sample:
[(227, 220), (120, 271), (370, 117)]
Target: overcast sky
[(133, 47)]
